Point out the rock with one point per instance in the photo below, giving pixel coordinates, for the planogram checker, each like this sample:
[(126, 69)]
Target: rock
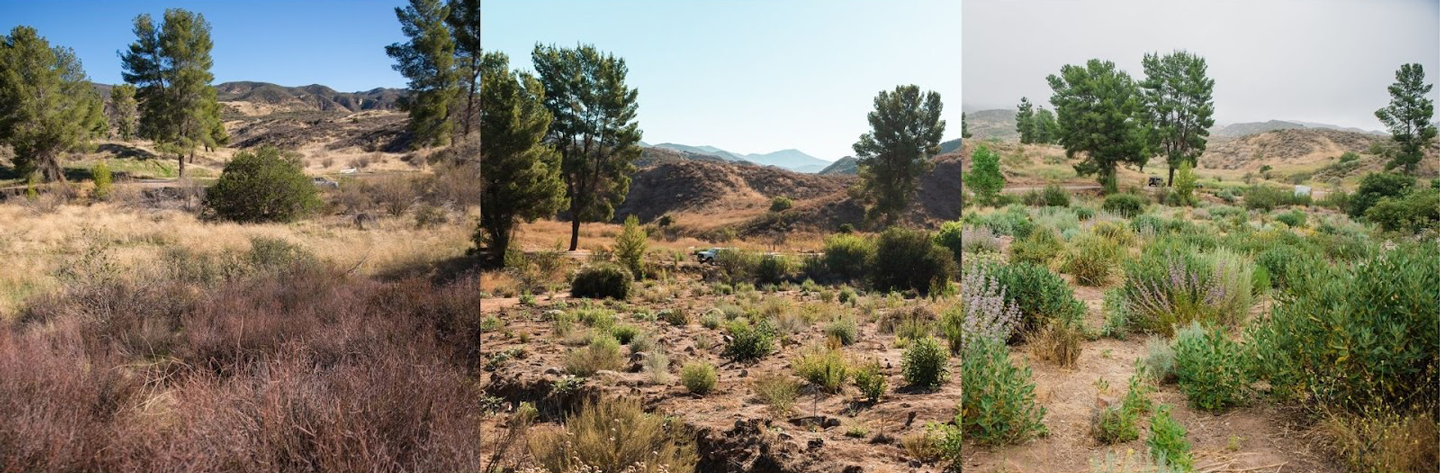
[(814, 444), (744, 373), (830, 422), (552, 371), (853, 469)]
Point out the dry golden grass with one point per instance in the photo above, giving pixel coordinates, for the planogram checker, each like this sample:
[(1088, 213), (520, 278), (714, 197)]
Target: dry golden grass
[(544, 235), (35, 246)]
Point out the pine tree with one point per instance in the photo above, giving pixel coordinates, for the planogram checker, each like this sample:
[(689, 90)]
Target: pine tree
[(1099, 110), (427, 60), (170, 69), (964, 128), (1178, 107), (1408, 117), (464, 21), (905, 131), (1025, 121), (123, 111), (630, 247), (47, 106), (520, 173), (594, 129), (985, 179), (1043, 127)]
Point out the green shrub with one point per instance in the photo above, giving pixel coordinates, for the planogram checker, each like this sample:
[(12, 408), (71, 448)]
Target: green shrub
[(1167, 440), (925, 363), (1416, 211), (772, 269), (1124, 205), (1293, 218), (870, 380), (1054, 196), (1092, 259), (1376, 186), (1210, 368), (1012, 220), (630, 247), (603, 353), (624, 333), (1159, 360), (949, 237), (698, 377), (262, 186), (781, 203), (823, 368), (676, 317), (750, 342), (1357, 336), (1267, 198), (737, 265), (1039, 248), (1041, 295), (601, 281), (908, 259), (103, 180), (777, 391), (998, 398), (588, 442), (843, 329), (1280, 261), (1113, 424), (845, 255), (1172, 284)]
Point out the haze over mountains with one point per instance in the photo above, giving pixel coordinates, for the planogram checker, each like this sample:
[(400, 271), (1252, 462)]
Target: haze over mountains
[(792, 159), (1000, 123)]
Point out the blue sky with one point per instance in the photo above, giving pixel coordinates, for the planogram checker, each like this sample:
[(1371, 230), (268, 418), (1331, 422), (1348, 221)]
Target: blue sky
[(339, 43), (752, 76)]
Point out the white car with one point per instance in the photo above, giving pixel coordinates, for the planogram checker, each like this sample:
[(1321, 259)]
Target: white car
[(320, 181), (708, 256)]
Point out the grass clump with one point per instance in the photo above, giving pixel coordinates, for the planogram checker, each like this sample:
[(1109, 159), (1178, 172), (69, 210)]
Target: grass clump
[(823, 368), (777, 391), (614, 435), (603, 353), (699, 377), (1092, 259)]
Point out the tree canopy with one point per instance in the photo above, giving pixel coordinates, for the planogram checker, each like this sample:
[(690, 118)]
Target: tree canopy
[(1099, 109), (170, 69), (1178, 106), (427, 60), (1408, 117), (594, 128), (47, 106), (905, 132)]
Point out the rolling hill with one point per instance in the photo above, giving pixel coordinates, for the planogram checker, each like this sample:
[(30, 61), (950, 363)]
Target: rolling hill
[(792, 159), (261, 98)]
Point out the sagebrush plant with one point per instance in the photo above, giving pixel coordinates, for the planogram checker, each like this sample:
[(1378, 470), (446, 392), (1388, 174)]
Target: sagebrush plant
[(1039, 248), (614, 435), (750, 342), (1167, 440), (1092, 259), (699, 377), (925, 363), (824, 368), (1125, 205), (997, 398), (601, 281), (1039, 294), (1159, 359), (870, 380)]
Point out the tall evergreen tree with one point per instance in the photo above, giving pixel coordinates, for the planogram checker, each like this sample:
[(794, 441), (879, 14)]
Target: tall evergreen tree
[(170, 69), (1178, 106), (464, 21), (1408, 117), (521, 173), (905, 131), (1043, 127), (123, 111), (427, 60), (964, 128), (47, 106), (1025, 121), (594, 128), (1099, 110)]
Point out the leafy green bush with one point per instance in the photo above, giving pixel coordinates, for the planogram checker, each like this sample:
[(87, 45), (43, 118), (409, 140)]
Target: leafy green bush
[(1039, 248), (1293, 218), (998, 398), (1416, 211), (1054, 196), (624, 333), (950, 238), (1112, 424), (1124, 205), (1041, 295), (630, 247), (908, 259), (1376, 186), (103, 180), (870, 380), (601, 281), (772, 269), (843, 329), (781, 203), (1013, 221), (1167, 440), (698, 377), (1280, 261), (1357, 336), (925, 363), (1267, 198), (603, 353), (750, 342), (1092, 259), (262, 186), (1210, 368), (845, 255), (737, 265), (823, 368)]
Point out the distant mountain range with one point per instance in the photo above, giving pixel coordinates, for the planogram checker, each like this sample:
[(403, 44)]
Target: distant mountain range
[(792, 159), (309, 97), (1250, 128), (1000, 123)]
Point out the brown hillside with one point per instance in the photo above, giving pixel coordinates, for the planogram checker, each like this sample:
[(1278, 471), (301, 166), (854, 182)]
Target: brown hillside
[(1284, 147)]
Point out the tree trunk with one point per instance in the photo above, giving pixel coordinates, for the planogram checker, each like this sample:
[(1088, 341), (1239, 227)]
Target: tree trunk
[(1171, 182), (181, 157), (574, 230)]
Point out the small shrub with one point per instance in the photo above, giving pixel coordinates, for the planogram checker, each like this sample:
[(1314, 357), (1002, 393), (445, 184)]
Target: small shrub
[(262, 186), (1293, 218), (909, 259), (676, 317), (772, 269), (1159, 359), (998, 397), (601, 281), (870, 381), (1054, 196), (1040, 295), (698, 377), (1092, 260), (614, 435), (781, 204), (925, 363), (1058, 342), (1167, 438), (1041, 246), (823, 368), (777, 391), (750, 342), (1124, 205), (624, 333), (630, 247), (103, 180), (843, 329), (1376, 186), (952, 237), (1209, 368), (603, 353)]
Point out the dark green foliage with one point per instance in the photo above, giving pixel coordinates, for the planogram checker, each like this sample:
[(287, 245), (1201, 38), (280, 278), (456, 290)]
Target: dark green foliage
[(1167, 440), (1042, 296), (1054, 196), (781, 204), (1267, 198), (1293, 218), (464, 22), (1013, 221), (772, 269), (908, 259), (997, 397), (520, 174), (1039, 248), (601, 281), (1025, 120), (905, 132), (845, 255), (750, 342), (1357, 336), (949, 238), (1418, 210), (870, 381), (262, 186), (595, 128), (1210, 368), (1099, 110), (1124, 205), (1408, 117), (1376, 186), (1178, 101), (984, 178), (47, 107), (1280, 261), (925, 364), (427, 60), (124, 111), (170, 69), (630, 246)]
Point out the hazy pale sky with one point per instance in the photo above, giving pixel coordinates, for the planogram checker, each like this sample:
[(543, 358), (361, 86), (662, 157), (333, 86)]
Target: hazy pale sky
[(1326, 61), (752, 76)]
